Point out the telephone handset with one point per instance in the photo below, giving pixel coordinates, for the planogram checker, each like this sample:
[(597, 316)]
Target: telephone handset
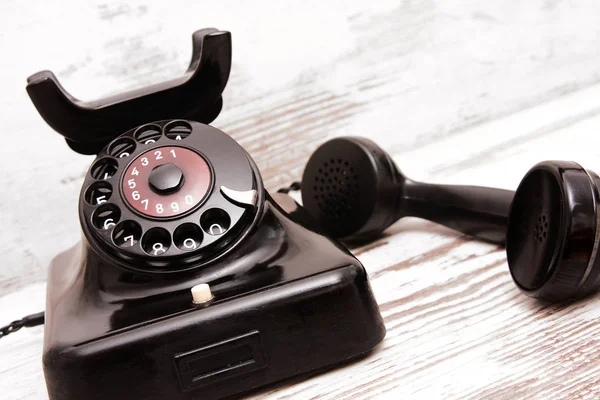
[(191, 280)]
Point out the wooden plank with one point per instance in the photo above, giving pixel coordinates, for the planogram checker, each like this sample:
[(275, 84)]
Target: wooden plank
[(458, 92)]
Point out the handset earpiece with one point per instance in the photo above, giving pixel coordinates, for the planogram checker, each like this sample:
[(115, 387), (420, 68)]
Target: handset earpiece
[(354, 189), (552, 238), (550, 224)]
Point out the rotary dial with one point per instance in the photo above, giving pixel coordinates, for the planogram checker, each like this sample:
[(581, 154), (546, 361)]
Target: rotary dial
[(169, 196), (166, 181)]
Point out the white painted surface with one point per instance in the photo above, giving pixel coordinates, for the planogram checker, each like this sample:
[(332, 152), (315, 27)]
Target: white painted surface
[(459, 91)]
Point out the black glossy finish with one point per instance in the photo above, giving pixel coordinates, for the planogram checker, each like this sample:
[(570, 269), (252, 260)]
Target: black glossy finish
[(89, 126), (354, 189), (231, 167), (287, 300), (477, 211), (120, 319), (172, 204), (166, 178), (552, 240)]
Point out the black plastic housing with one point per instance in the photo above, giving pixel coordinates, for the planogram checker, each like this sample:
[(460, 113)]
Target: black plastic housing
[(288, 300), (553, 236), (89, 126), (355, 190)]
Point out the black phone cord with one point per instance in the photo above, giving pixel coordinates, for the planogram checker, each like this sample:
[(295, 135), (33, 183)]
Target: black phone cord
[(287, 189), (25, 322)]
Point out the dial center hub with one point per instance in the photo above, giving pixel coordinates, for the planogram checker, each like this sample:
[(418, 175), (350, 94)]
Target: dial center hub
[(166, 178), (166, 181)]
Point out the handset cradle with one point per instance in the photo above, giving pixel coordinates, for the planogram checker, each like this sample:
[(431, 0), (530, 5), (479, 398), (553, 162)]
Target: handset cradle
[(89, 126)]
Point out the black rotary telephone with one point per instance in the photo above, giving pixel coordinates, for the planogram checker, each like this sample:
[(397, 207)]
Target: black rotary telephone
[(191, 281)]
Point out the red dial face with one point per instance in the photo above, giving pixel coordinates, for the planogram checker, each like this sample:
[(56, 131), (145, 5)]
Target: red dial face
[(166, 181)]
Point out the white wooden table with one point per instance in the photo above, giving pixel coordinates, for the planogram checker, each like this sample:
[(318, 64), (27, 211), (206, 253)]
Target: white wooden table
[(459, 91)]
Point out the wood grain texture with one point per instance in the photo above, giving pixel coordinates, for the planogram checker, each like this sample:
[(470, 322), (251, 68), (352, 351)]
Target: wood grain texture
[(459, 91)]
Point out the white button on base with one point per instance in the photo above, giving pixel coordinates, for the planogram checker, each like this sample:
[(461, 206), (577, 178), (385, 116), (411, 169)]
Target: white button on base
[(201, 293)]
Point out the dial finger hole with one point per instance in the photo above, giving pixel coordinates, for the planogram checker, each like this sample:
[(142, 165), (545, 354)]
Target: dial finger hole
[(188, 237), (215, 221), (122, 147), (106, 216), (178, 130), (98, 193), (127, 234), (104, 168), (148, 134), (156, 241)]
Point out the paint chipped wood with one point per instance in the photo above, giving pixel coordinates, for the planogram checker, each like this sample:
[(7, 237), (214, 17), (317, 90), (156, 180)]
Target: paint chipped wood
[(459, 91)]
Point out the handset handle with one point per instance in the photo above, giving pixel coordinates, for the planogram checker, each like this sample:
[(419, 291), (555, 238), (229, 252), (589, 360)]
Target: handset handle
[(89, 126), (474, 210)]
